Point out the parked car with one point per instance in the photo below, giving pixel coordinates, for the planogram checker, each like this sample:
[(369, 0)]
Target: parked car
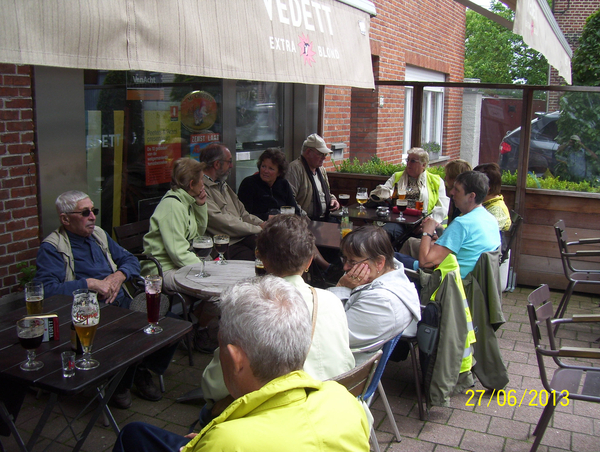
[(543, 146)]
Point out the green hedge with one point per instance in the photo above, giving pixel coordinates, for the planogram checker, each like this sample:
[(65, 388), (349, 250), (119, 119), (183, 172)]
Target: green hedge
[(379, 167)]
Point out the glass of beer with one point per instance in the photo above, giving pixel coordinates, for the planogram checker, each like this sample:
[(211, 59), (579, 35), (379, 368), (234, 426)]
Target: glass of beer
[(34, 298), (362, 196), (221, 244), (344, 199), (287, 210), (30, 333), (419, 205), (153, 285), (402, 204), (85, 314), (202, 247)]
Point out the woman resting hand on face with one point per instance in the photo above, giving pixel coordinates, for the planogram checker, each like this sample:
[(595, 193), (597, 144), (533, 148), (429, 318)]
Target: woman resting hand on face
[(380, 301)]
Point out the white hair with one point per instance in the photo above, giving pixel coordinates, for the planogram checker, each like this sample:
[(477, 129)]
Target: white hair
[(67, 202), (267, 318)]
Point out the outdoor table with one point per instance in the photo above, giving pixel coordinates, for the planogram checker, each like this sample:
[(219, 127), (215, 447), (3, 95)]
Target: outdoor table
[(119, 343), (371, 216), (220, 277), (327, 235)]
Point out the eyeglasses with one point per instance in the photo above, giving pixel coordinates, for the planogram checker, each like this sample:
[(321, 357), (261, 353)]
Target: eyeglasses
[(229, 162), (86, 212), (352, 263), (412, 161)]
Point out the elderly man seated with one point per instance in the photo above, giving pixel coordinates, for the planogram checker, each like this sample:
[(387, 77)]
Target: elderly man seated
[(264, 337), (79, 255)]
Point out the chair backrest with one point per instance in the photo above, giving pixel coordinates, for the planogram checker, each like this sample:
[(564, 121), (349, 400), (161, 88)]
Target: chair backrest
[(358, 379), (562, 239), (131, 236), (540, 311), (508, 237), (387, 350)]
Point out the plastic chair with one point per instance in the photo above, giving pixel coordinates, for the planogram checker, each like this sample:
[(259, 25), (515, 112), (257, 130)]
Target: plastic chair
[(566, 377), (574, 275), (357, 380), (375, 384)]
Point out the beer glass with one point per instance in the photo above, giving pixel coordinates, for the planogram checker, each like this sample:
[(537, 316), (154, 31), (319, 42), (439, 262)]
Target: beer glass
[(85, 314), (202, 246), (221, 244), (362, 196), (30, 333), (34, 296), (344, 199), (153, 285)]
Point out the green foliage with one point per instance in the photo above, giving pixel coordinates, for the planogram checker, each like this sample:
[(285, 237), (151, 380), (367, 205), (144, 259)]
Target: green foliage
[(374, 166), (585, 64), (495, 54), (550, 183), (27, 273), (378, 167), (580, 111)]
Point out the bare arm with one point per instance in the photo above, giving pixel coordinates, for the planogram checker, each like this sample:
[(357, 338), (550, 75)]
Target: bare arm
[(430, 254)]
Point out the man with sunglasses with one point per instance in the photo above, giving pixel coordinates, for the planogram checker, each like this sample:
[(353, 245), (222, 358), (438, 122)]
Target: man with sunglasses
[(79, 255)]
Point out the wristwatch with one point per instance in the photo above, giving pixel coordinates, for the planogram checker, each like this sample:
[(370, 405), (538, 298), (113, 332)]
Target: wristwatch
[(427, 233)]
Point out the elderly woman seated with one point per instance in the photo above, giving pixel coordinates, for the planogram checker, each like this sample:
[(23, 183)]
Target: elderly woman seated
[(380, 301), (285, 246)]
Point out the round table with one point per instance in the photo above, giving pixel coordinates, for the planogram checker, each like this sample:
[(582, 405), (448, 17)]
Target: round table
[(220, 277)]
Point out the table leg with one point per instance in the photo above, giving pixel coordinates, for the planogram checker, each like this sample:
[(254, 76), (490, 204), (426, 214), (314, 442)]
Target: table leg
[(43, 419)]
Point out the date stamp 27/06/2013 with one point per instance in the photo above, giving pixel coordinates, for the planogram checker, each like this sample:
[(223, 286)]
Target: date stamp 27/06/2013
[(529, 397)]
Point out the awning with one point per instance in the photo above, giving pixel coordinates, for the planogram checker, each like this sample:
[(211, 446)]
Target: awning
[(535, 22), (322, 42)]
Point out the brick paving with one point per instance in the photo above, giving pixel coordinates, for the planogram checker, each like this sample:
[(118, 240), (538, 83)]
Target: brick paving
[(489, 428)]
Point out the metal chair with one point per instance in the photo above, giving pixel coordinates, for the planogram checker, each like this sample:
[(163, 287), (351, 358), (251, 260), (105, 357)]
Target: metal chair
[(375, 384), (567, 377), (574, 275), (508, 239), (131, 237)]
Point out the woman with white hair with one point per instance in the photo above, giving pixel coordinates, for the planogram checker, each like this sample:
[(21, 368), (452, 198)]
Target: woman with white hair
[(420, 185)]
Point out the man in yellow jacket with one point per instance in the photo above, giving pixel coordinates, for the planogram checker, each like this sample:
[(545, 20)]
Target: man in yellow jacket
[(265, 334)]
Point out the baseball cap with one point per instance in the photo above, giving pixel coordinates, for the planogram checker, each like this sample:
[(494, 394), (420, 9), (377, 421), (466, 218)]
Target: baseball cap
[(314, 141)]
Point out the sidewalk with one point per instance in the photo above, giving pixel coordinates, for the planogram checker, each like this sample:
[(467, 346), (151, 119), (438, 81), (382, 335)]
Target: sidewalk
[(488, 428)]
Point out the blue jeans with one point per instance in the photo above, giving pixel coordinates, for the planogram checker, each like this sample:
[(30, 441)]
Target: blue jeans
[(142, 437)]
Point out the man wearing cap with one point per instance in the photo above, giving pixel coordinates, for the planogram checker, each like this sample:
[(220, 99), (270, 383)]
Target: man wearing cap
[(309, 181)]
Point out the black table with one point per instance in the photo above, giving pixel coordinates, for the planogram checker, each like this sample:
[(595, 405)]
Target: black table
[(371, 216), (119, 343)]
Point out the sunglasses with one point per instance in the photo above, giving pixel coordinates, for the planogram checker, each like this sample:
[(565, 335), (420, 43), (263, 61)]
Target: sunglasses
[(86, 212)]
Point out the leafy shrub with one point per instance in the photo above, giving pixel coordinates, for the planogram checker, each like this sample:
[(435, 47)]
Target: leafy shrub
[(550, 183), (378, 167)]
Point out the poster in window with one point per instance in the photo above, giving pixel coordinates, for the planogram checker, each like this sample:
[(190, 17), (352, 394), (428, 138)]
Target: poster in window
[(163, 145)]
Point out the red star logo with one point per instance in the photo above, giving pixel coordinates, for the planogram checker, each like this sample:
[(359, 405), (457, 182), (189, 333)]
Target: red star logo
[(306, 50)]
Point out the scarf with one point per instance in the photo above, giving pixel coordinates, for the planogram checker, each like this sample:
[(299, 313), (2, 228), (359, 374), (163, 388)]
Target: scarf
[(318, 210)]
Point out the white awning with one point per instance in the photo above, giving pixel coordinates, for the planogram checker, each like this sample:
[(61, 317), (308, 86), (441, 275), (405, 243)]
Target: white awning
[(322, 42), (536, 24)]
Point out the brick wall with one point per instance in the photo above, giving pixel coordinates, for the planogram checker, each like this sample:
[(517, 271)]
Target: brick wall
[(19, 231), (428, 34)]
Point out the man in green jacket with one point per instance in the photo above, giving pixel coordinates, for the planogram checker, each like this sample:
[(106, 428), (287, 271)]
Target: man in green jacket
[(264, 337)]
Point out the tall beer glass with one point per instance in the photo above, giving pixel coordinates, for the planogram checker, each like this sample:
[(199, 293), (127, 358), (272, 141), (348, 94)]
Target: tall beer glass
[(153, 285), (86, 317)]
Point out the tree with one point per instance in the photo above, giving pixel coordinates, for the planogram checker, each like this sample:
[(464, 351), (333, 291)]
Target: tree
[(494, 54)]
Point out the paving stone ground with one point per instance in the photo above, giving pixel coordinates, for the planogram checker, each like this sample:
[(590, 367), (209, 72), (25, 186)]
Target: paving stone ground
[(467, 424)]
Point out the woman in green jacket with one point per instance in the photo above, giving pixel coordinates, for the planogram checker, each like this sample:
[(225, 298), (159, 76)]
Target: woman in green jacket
[(179, 217)]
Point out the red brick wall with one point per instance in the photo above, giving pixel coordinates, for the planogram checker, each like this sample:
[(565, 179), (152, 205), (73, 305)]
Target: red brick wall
[(425, 33), (19, 231)]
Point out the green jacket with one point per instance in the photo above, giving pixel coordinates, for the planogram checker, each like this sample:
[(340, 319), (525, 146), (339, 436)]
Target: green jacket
[(482, 287), (292, 412), (173, 225)]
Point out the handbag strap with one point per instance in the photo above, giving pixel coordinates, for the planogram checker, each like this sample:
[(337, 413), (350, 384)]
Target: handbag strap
[(314, 313)]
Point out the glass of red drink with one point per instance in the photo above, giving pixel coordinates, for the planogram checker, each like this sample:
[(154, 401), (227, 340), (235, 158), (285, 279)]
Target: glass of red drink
[(31, 332), (153, 285)]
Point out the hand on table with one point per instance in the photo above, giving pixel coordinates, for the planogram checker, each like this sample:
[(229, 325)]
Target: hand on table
[(356, 276)]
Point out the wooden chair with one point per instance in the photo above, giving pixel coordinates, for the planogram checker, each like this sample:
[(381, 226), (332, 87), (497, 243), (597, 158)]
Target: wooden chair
[(573, 274), (508, 240), (567, 377), (358, 379), (131, 237)]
